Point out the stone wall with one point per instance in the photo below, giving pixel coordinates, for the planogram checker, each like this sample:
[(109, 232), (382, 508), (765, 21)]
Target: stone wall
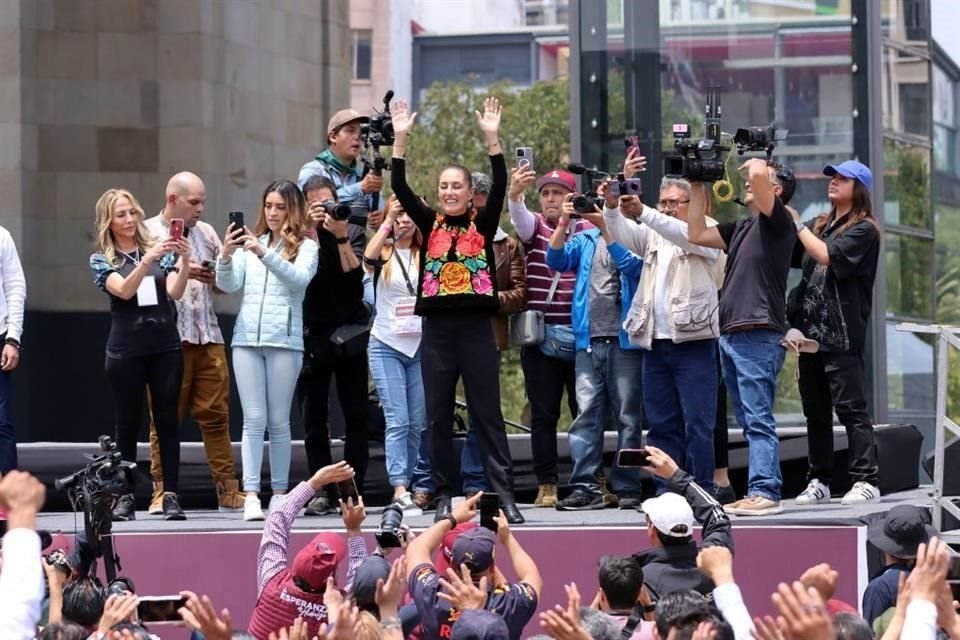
[(102, 93)]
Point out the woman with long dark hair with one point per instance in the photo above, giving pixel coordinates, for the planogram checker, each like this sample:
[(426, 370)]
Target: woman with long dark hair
[(142, 277), (838, 252), (274, 268), (394, 349), (456, 296)]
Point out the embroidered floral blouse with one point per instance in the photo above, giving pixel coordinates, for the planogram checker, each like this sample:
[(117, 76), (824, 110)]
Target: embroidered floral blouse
[(459, 267)]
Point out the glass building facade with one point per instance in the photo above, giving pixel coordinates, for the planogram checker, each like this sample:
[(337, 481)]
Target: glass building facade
[(845, 79)]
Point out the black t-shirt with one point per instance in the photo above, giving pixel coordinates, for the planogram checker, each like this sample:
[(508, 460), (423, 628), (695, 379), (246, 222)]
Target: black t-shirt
[(832, 302), (759, 249)]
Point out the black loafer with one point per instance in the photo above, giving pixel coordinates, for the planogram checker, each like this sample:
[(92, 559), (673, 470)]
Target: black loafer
[(443, 509), (513, 513)]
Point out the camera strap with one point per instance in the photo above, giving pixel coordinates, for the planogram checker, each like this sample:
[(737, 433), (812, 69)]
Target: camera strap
[(406, 276), (636, 616), (553, 288)]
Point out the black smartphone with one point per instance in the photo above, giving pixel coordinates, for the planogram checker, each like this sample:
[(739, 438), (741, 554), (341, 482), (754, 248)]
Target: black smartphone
[(525, 158), (236, 219), (953, 573), (633, 458), (631, 142), (209, 265), (348, 489), (489, 510), (159, 609)]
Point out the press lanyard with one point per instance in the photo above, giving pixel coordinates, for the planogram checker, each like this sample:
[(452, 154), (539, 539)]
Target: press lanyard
[(410, 289), (135, 261)]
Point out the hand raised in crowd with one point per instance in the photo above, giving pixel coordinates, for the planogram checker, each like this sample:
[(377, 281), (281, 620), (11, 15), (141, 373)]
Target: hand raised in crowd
[(567, 210), (252, 244), (716, 563), (316, 215), (199, 615), (297, 631), (353, 514), (933, 560), (371, 183), (336, 227), (634, 164), (375, 219), (332, 599), (467, 510), (118, 608), (337, 472), (768, 629), (822, 578), (21, 495), (520, 179), (661, 464), (401, 118), (489, 120), (460, 591), (390, 592), (947, 618), (630, 206), (160, 249), (605, 191), (346, 624), (503, 528), (564, 624), (391, 210), (803, 612), (232, 241), (704, 631)]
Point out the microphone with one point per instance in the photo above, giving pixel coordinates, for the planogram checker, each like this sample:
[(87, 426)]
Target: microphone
[(577, 168), (388, 96)]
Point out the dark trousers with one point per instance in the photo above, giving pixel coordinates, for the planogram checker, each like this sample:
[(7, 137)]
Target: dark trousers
[(545, 378), (721, 436), (8, 437), (834, 382), (456, 346), (129, 380), (319, 364)]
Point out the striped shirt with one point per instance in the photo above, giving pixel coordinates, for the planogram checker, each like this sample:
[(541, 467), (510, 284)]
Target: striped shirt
[(534, 231)]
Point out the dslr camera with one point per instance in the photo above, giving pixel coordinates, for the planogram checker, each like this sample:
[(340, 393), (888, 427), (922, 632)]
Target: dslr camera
[(702, 160), (339, 211), (389, 535), (758, 139)]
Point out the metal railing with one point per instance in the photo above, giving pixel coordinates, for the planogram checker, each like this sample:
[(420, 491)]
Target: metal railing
[(946, 337)]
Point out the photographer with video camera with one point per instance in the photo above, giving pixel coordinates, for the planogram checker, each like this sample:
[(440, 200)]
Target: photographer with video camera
[(838, 252), (672, 318), (608, 367), (456, 297), (336, 333), (752, 319), (546, 372), (340, 162)]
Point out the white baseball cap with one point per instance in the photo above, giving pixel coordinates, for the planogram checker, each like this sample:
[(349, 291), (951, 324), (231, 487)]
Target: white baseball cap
[(670, 514)]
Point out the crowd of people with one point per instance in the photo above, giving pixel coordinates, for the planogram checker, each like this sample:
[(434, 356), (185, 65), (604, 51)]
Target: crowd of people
[(449, 582)]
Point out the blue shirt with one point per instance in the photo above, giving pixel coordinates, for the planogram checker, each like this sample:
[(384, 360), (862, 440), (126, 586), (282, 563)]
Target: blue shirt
[(881, 592)]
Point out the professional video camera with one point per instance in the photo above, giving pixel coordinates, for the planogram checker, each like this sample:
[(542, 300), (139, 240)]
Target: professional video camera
[(95, 489), (758, 139), (702, 161), (375, 134), (587, 201)]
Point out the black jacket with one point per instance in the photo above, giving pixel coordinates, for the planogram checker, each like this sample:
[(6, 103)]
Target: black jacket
[(335, 298), (669, 569)]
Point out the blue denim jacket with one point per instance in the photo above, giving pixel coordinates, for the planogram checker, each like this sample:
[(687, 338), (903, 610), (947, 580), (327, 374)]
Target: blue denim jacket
[(577, 254), (348, 186)]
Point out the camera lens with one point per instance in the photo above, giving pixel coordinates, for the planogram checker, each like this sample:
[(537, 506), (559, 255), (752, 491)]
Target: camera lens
[(388, 534)]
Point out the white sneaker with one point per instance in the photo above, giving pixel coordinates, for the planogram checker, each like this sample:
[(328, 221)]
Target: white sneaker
[(815, 493), (275, 501), (252, 509), (410, 508), (862, 493)]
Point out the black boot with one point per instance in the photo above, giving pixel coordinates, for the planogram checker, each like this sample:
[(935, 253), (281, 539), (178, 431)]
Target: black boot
[(171, 507), (513, 513), (443, 508)]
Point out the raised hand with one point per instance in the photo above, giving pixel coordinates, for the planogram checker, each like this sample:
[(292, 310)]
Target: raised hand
[(803, 612), (661, 464), (117, 609), (252, 244), (337, 472), (232, 241), (519, 181), (402, 118), (822, 578), (467, 510), (200, 615), (933, 560), (390, 593), (717, 564), (634, 164), (460, 590), (159, 250), (489, 120)]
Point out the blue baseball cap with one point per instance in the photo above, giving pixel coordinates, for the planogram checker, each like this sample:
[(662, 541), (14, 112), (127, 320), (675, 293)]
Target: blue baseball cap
[(478, 624), (474, 548), (851, 169)]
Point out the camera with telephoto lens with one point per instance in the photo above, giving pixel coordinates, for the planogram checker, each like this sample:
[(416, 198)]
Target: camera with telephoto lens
[(758, 139), (389, 535), (702, 160), (379, 131), (338, 210), (588, 202)]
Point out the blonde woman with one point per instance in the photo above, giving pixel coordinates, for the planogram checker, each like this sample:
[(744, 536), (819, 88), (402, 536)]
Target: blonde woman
[(143, 351), (394, 349), (274, 268)]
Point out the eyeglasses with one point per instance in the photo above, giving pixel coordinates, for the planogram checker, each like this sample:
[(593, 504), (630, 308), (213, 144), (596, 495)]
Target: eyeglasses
[(671, 205)]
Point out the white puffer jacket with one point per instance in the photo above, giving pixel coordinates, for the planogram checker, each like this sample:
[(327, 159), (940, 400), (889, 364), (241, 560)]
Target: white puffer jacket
[(271, 312)]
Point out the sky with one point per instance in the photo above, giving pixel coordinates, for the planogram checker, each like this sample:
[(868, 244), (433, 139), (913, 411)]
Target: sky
[(946, 25)]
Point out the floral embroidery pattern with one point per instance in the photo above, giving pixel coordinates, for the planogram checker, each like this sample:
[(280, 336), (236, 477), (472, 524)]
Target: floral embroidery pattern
[(456, 262)]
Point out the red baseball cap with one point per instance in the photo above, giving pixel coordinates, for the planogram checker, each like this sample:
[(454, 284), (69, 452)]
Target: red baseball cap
[(445, 555), (558, 177), (318, 560)]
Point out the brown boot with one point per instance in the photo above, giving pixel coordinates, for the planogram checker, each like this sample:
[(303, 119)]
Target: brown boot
[(546, 496), (610, 499), (229, 496), (156, 500)]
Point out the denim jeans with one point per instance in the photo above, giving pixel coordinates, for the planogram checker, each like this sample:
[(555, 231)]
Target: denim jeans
[(608, 381), (751, 362), (266, 408), (471, 466), (8, 437), (400, 387), (679, 401)]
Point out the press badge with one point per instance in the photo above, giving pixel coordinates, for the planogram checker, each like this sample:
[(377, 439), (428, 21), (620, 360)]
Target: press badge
[(407, 323), (147, 292)]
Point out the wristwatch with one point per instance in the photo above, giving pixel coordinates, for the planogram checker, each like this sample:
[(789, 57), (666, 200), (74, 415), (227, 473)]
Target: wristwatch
[(800, 226), (343, 240), (14, 342)]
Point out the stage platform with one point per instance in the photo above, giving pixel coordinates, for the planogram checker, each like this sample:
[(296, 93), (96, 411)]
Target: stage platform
[(215, 553)]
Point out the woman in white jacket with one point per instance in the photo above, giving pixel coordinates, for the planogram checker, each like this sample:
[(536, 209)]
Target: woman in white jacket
[(274, 269)]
